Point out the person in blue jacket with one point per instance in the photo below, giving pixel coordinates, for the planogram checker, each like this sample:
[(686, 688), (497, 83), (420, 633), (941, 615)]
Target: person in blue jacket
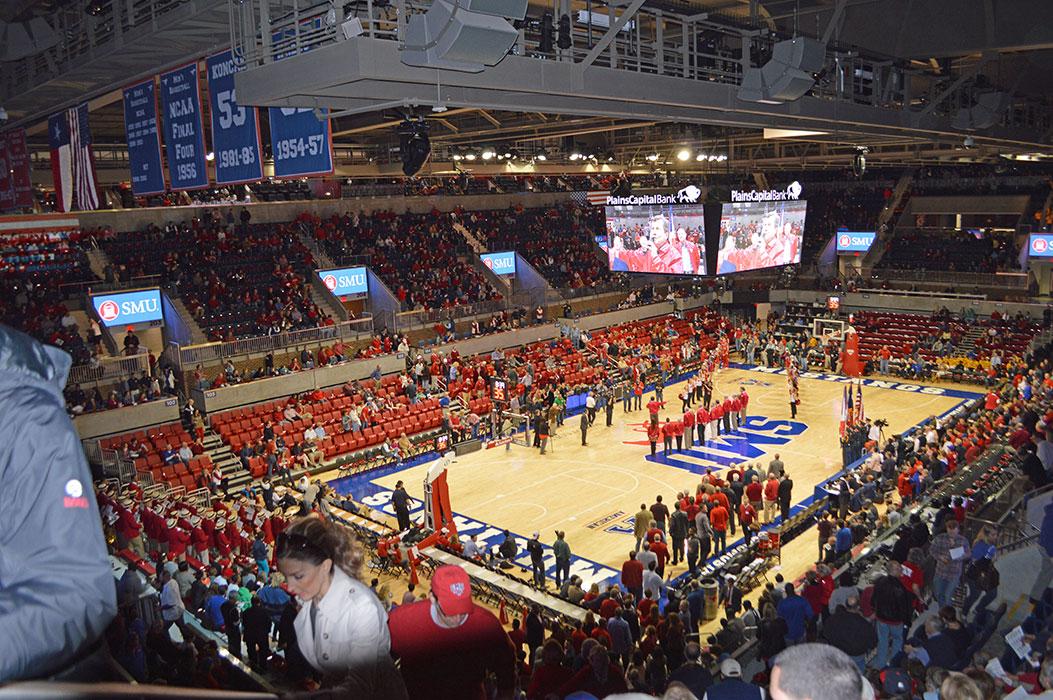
[(57, 592)]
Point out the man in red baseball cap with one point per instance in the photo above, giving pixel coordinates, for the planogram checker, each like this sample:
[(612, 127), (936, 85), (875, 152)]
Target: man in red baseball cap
[(447, 644)]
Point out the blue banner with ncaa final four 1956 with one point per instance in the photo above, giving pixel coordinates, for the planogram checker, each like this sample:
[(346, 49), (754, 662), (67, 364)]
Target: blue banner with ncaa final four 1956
[(184, 128), (235, 129), (300, 142), (144, 138)]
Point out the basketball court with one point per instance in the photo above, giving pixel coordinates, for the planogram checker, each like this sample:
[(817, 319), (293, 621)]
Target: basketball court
[(593, 492)]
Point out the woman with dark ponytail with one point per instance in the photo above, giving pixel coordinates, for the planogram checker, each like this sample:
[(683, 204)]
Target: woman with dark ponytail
[(342, 627)]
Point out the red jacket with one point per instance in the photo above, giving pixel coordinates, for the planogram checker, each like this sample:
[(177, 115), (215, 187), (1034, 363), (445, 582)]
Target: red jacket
[(678, 428), (632, 574), (701, 416), (717, 412), (718, 518), (654, 432), (660, 550), (689, 420), (754, 491), (669, 429)]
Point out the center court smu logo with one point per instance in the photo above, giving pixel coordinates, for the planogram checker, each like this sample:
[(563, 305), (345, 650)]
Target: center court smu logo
[(756, 437), (109, 311), (330, 282)]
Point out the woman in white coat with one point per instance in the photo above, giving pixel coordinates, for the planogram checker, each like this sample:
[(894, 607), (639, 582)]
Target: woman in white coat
[(342, 628)]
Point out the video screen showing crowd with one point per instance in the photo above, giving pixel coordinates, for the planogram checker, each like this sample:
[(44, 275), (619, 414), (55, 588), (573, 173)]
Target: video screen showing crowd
[(667, 240), (755, 235)]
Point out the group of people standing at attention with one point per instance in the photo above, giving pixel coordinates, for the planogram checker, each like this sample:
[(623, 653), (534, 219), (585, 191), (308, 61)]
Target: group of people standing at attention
[(710, 420)]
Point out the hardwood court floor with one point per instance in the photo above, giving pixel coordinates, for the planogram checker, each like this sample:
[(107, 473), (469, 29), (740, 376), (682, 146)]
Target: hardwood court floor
[(592, 491)]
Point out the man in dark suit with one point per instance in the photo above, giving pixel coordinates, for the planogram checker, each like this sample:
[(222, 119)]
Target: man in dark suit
[(785, 494), (400, 500)]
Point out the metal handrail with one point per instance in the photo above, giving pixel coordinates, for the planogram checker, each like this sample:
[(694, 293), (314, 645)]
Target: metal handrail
[(998, 279), (213, 352), (110, 368), (412, 319)]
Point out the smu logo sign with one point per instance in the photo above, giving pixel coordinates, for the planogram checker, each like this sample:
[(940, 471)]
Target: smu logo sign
[(855, 241), (1041, 245), (346, 281), (500, 263), (129, 308)]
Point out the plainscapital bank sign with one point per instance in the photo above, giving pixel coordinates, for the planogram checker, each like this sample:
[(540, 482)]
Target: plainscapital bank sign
[(792, 192), (688, 195)]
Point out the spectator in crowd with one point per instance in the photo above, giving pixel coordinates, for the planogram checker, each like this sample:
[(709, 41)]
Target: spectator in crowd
[(815, 672), (447, 645), (56, 592), (342, 628)]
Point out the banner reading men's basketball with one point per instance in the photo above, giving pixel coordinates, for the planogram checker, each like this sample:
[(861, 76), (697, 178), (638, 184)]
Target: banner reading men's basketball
[(7, 189), (144, 140), (300, 142), (235, 129), (18, 165), (16, 187), (184, 128)]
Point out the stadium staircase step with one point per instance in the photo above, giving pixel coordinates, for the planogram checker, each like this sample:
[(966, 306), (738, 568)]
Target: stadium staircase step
[(320, 256), (970, 338), (888, 218), (197, 336), (474, 242), (226, 460), (99, 261)]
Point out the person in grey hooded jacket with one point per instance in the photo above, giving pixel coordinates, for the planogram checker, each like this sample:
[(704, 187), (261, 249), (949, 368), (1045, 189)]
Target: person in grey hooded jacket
[(57, 592)]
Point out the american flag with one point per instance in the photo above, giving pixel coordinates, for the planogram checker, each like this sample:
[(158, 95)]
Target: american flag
[(72, 165), (596, 198), (860, 415)]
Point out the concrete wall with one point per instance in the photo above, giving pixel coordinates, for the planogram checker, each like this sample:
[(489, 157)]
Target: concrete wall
[(122, 420), (266, 212), (614, 318), (993, 204), (908, 304), (212, 400)]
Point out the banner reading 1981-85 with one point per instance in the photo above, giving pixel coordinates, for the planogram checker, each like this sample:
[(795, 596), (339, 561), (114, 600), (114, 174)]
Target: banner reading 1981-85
[(184, 128), (300, 142), (144, 139), (235, 129)]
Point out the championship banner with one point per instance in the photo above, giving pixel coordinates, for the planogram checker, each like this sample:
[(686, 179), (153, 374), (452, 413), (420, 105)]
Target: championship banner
[(235, 129), (184, 128), (300, 142), (7, 189), (18, 167), (144, 140)]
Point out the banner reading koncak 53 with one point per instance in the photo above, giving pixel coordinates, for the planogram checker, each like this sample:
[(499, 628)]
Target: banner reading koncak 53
[(235, 129)]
